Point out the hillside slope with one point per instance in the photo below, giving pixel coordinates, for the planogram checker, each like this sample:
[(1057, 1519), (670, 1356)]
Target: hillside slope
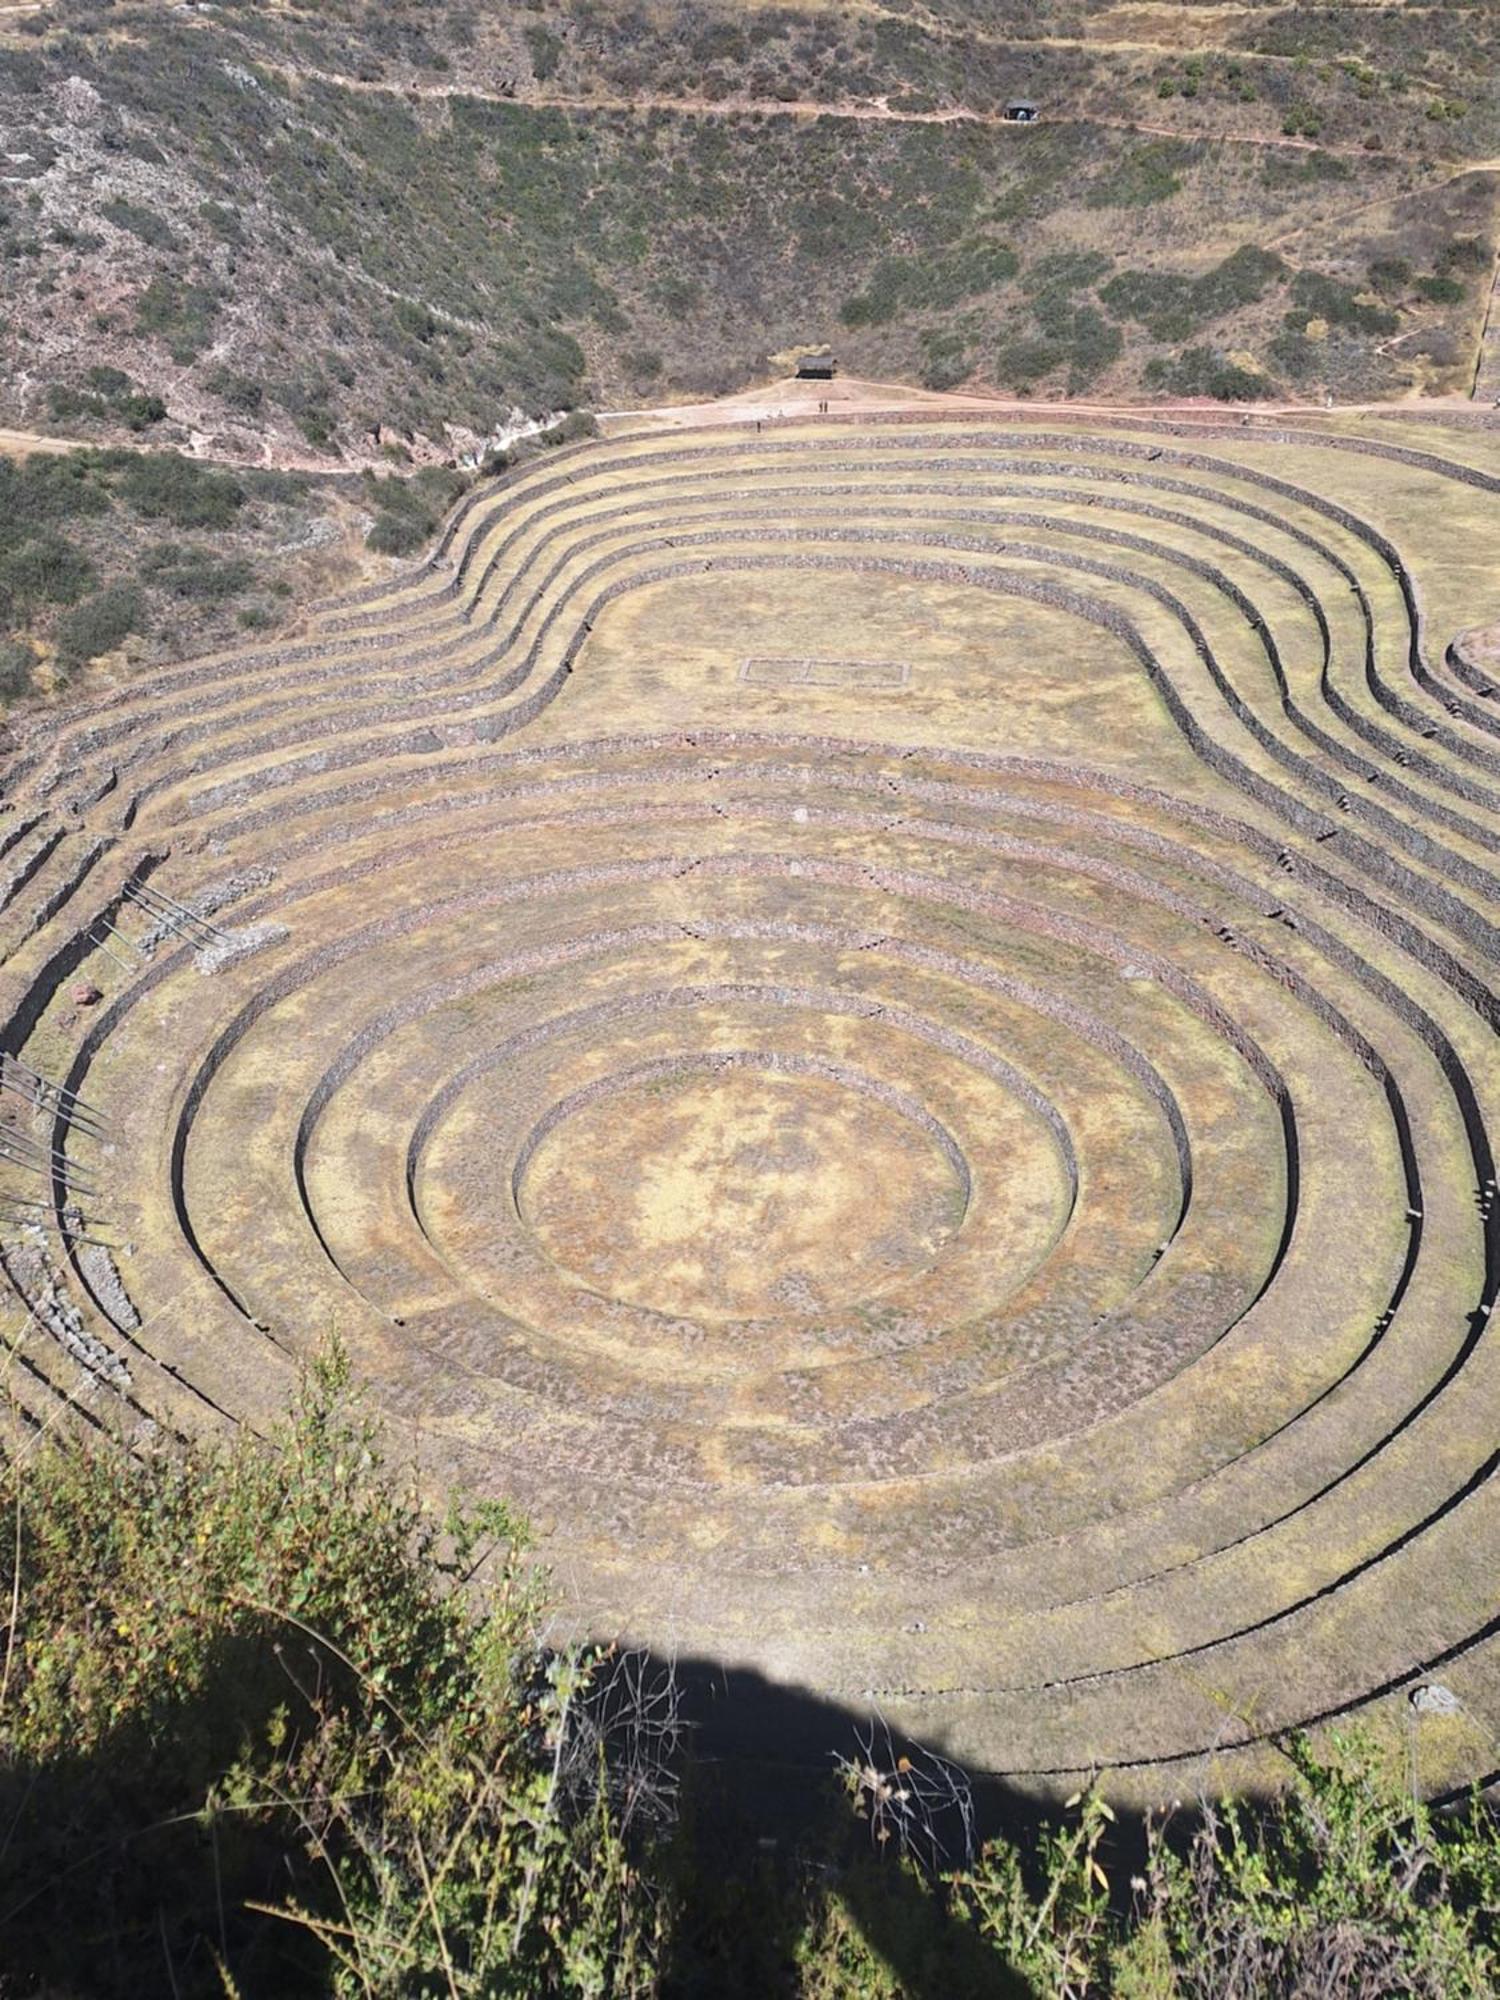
[(330, 229)]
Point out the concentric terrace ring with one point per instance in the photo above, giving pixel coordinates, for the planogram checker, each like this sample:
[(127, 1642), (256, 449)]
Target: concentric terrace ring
[(889, 1026)]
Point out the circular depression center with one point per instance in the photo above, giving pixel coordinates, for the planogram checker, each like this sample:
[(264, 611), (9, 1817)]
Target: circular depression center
[(746, 1188)]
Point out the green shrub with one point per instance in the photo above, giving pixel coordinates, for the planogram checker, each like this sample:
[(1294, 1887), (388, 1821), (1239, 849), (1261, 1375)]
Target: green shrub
[(882, 297), (1141, 176), (1390, 275), (271, 484), (40, 568), (17, 666), (140, 411), (1345, 1885), (1440, 289), (142, 222), (575, 425), (50, 487), (1171, 306), (100, 623), (1203, 371), (195, 573), (1092, 343), (1281, 169), (1321, 297), (1023, 359), (242, 393), (179, 314), (1064, 271), (545, 48), (68, 405), (263, 1734), (164, 486), (1296, 356), (110, 396), (409, 511), (223, 221), (1164, 302), (945, 358), (1242, 278), (976, 264), (1464, 253), (416, 320), (259, 1733), (398, 534)]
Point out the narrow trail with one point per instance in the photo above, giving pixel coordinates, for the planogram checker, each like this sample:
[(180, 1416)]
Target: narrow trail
[(22, 444), (18, 444), (1487, 351), (1384, 201), (793, 398), (875, 111)]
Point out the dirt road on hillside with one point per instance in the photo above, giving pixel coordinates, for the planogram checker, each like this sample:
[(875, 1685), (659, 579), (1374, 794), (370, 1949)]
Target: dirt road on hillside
[(875, 111)]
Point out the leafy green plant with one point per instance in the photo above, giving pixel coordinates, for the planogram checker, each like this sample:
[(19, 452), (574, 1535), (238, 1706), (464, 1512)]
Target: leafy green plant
[(1390, 275), (1203, 371), (260, 1736), (1303, 169), (178, 313), (110, 395), (38, 568), (196, 572), (17, 666), (408, 510), (262, 1731), (1465, 253), (1316, 295), (100, 623), (1148, 173), (151, 228), (166, 486), (1172, 306), (1046, 1913), (1346, 1885), (242, 393), (546, 50)]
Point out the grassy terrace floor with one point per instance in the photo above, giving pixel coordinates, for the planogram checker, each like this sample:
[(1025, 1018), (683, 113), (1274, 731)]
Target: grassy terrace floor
[(887, 1021)]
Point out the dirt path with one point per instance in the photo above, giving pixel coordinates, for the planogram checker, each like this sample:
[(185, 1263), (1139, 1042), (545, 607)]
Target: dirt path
[(21, 444), (872, 110), (791, 398), (24, 444), (1384, 201), (1487, 352), (876, 111)]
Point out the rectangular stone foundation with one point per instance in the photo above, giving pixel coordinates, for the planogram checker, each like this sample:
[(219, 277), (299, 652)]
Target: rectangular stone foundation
[(876, 675)]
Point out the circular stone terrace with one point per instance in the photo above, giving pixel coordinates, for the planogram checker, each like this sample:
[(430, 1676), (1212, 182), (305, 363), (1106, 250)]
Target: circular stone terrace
[(887, 1021)]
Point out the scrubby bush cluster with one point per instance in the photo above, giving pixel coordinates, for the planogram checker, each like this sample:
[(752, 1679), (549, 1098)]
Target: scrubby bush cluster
[(1173, 307), (108, 395), (82, 565), (270, 1726), (408, 509), (336, 261), (258, 1738)]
